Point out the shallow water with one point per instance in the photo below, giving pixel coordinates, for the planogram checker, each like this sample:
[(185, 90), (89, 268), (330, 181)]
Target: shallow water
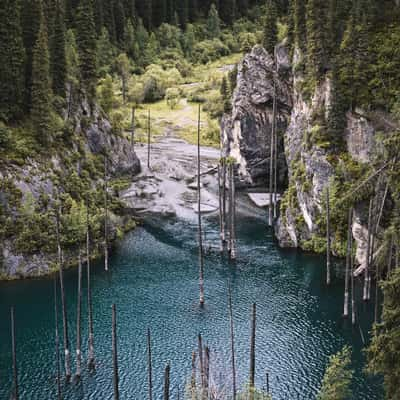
[(153, 281)]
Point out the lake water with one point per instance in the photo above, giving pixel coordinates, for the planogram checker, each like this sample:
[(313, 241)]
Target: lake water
[(154, 283)]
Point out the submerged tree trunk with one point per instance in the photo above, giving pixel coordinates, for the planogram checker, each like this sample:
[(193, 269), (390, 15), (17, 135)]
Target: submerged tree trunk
[(232, 235), (200, 234), (366, 272), (91, 361), (166, 382), (328, 239), (252, 352), (78, 319), (114, 353), (149, 364), (67, 360), (105, 215), (14, 357), (57, 341), (348, 262), (193, 387), (232, 336), (206, 371), (201, 362), (224, 201)]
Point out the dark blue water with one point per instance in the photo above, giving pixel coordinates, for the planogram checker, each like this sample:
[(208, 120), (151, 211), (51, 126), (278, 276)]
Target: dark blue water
[(153, 281)]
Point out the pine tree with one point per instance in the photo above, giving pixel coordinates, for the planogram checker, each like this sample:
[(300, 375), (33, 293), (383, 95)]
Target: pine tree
[(41, 111), (105, 51), (98, 12), (384, 351), (12, 65), (316, 38), (119, 15), (213, 23), (86, 39), (31, 12), (270, 35), (130, 44), (336, 384), (58, 57), (225, 94), (300, 31)]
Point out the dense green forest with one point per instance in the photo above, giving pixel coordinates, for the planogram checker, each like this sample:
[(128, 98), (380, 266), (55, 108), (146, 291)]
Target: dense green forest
[(121, 54)]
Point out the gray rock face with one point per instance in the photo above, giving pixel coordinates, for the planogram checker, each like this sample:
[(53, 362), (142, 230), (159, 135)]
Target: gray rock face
[(246, 132), (34, 179)]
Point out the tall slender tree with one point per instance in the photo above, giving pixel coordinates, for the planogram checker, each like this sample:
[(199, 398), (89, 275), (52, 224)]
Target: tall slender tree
[(270, 34), (12, 66)]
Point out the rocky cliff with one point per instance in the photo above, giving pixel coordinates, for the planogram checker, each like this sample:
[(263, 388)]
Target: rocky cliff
[(311, 167), (37, 180)]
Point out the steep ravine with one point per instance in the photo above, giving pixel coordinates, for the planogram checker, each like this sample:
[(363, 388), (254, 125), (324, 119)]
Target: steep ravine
[(246, 135)]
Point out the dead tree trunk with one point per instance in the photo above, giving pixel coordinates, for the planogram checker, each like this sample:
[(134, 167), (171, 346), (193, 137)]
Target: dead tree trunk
[(133, 128), (114, 353), (353, 295), (78, 319), (366, 272), (232, 236), (193, 378), (348, 262), (224, 200), (91, 361), (166, 382), (232, 335), (271, 162), (200, 234), (149, 363), (252, 353), (328, 239), (105, 215), (201, 362), (206, 371), (14, 357), (67, 360), (275, 166), (148, 139), (221, 218), (57, 341)]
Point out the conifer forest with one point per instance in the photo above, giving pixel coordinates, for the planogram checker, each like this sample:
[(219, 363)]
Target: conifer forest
[(200, 199)]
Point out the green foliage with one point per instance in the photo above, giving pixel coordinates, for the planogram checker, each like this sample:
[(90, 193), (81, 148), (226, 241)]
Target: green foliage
[(106, 94), (213, 23), (41, 111), (86, 39), (336, 384), (173, 97), (270, 34), (12, 55)]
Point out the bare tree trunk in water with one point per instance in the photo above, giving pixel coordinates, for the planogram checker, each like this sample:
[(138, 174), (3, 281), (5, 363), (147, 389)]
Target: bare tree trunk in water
[(200, 234), (348, 262), (57, 341), (14, 357), (105, 215), (232, 334), (252, 352), (78, 319), (148, 140), (133, 128), (149, 363), (166, 382), (201, 362), (114, 353), (67, 359), (221, 228), (224, 200), (232, 213), (271, 163), (366, 272), (91, 362), (193, 378), (328, 239), (353, 295), (206, 371)]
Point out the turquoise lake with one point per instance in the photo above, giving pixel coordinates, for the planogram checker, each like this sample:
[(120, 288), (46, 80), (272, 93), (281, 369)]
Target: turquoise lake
[(153, 281)]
